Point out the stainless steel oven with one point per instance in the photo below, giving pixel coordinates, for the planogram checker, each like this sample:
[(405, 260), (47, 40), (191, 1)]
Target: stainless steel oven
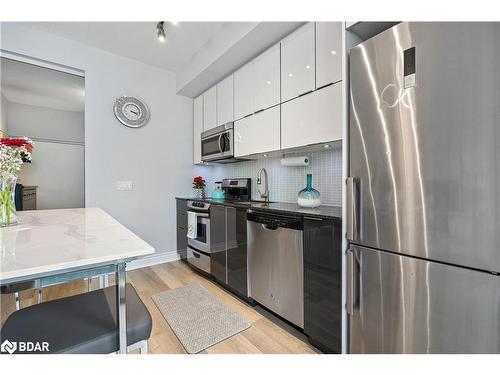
[(202, 240), (198, 252), (218, 143)]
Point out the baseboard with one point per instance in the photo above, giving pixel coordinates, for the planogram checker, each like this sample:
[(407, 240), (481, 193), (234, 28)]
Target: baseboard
[(169, 256)]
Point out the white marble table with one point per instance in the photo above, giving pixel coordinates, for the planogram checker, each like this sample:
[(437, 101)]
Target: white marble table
[(51, 244)]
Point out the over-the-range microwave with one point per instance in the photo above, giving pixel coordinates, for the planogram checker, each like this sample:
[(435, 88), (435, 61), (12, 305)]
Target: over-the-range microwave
[(217, 144)]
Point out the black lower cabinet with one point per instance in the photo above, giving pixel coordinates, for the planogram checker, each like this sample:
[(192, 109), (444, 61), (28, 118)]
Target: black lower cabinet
[(218, 261), (237, 250), (323, 283), (229, 253), (182, 229)]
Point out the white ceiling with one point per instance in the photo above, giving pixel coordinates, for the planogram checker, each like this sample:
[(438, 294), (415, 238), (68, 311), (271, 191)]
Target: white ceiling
[(33, 85), (138, 41)]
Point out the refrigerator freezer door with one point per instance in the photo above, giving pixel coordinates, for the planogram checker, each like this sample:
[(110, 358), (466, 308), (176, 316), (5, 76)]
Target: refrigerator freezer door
[(409, 305), (426, 156)]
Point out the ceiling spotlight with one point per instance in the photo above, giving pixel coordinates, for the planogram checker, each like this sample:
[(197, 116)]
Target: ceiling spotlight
[(326, 146), (160, 31), (174, 23)]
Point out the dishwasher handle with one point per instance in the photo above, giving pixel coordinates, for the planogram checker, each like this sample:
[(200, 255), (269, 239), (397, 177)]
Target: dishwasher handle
[(275, 221)]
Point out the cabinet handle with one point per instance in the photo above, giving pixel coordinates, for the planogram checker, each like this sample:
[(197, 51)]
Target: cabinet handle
[(313, 218), (304, 93)]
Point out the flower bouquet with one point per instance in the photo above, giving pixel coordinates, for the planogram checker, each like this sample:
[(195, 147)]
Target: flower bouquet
[(199, 187), (13, 153)]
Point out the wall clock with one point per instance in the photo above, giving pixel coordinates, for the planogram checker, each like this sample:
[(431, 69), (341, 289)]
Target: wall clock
[(131, 112)]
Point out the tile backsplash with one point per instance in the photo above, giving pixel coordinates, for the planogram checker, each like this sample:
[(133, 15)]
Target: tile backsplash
[(286, 182)]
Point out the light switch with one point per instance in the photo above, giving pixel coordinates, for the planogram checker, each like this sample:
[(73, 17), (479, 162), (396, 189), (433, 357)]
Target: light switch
[(124, 185)]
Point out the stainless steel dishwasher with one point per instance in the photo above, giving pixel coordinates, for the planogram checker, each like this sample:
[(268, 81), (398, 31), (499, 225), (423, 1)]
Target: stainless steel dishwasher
[(275, 264)]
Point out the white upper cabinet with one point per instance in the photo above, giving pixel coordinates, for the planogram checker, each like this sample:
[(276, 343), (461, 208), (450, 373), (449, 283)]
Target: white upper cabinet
[(312, 118), (267, 79), (243, 91), (328, 53), (210, 109), (298, 63), (197, 128), (258, 133), (225, 111)]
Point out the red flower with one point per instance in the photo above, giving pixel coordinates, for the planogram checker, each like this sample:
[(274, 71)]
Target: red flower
[(198, 182), (17, 142)]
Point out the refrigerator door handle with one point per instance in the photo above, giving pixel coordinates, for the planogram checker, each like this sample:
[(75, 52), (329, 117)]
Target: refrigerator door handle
[(352, 208), (350, 286), (353, 282)]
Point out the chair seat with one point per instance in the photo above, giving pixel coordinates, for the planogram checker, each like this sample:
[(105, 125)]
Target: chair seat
[(81, 324)]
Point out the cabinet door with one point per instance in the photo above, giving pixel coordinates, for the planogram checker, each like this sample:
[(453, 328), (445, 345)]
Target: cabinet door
[(297, 63), (258, 133), (323, 282), (225, 112), (182, 228), (237, 249), (328, 53), (312, 118), (218, 245), (267, 79), (210, 109), (197, 128), (243, 92)]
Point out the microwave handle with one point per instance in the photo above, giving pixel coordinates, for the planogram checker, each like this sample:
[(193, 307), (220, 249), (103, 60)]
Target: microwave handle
[(220, 139)]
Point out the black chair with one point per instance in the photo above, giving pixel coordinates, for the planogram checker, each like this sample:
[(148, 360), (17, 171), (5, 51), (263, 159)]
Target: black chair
[(81, 324)]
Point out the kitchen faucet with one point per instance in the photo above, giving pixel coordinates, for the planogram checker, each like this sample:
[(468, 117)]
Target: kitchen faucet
[(264, 195)]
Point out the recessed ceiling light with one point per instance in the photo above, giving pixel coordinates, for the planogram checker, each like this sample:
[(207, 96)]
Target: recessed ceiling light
[(265, 155), (290, 74), (268, 82), (160, 31), (308, 67), (175, 23), (326, 146), (333, 52)]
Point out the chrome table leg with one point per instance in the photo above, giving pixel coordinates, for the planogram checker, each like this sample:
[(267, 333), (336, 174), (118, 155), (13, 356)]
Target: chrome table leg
[(121, 307)]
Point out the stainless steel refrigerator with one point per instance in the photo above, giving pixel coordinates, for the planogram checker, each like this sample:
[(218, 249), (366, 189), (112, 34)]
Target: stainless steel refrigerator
[(423, 196)]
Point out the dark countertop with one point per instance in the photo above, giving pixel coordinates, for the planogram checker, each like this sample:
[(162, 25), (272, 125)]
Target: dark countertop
[(279, 207)]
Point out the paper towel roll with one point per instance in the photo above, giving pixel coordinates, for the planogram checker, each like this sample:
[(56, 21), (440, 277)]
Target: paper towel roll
[(296, 161)]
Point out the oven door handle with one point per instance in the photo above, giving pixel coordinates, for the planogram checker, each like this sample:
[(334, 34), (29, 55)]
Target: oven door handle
[(200, 214)]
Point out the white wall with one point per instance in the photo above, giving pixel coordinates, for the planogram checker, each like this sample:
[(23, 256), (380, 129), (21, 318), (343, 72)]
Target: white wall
[(57, 168), (3, 114), (156, 158), (46, 123)]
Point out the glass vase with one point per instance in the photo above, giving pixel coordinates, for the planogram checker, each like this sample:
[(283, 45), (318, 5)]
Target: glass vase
[(309, 197), (8, 214)]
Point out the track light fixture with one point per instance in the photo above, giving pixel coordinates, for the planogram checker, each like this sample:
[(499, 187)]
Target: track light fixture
[(160, 31)]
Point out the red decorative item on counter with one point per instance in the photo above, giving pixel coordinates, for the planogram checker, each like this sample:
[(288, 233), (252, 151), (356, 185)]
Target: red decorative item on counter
[(198, 182)]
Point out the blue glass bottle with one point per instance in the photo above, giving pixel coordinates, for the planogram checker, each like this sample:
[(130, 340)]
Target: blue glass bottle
[(309, 197)]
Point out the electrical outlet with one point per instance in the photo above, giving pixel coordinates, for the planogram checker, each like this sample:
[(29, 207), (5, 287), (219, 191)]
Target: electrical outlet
[(124, 185)]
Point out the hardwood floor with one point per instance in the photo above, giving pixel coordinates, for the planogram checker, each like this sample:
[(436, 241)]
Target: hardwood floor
[(266, 335)]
